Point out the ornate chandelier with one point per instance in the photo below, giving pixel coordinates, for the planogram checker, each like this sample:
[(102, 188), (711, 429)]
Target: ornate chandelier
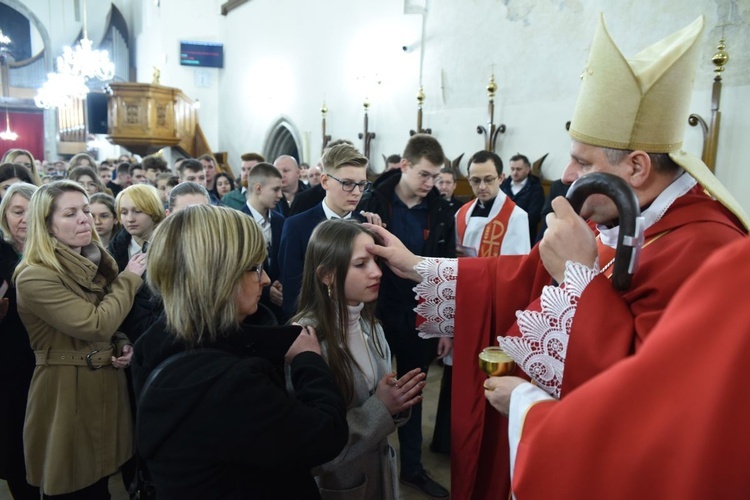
[(85, 62), (60, 90), (8, 135), (74, 68)]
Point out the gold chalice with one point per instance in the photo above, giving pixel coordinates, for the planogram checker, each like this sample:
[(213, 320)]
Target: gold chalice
[(495, 362)]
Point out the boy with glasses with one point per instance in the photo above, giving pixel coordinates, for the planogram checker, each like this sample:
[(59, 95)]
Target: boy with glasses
[(344, 180), (491, 224)]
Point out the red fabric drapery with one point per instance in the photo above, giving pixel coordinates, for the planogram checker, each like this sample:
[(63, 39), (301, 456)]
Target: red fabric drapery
[(29, 125)]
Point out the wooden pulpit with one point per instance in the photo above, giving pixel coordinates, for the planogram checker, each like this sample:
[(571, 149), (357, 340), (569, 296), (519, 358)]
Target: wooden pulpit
[(144, 118)]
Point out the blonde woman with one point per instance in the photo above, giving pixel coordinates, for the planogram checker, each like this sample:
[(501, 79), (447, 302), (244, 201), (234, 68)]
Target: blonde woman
[(219, 423), (71, 299), (25, 158)]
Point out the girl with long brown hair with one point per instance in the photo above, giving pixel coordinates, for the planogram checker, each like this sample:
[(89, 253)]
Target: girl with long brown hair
[(339, 289)]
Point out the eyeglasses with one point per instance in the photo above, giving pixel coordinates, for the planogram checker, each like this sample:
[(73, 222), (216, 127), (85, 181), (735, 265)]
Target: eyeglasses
[(349, 186), (257, 269), (476, 181), (425, 176)]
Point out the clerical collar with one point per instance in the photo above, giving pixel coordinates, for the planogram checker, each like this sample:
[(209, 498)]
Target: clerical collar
[(330, 214), (483, 209), (655, 211)]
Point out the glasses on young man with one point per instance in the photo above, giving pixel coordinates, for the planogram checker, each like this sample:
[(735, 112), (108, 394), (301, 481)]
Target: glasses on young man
[(349, 186), (425, 176), (477, 181)]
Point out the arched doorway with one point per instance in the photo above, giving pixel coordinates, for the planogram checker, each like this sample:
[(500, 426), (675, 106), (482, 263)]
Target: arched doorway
[(283, 140)]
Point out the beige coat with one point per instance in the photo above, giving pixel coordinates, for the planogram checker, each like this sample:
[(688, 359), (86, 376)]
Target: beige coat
[(78, 425)]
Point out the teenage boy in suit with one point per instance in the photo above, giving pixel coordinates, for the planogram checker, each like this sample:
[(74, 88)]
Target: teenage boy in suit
[(263, 193), (344, 179)]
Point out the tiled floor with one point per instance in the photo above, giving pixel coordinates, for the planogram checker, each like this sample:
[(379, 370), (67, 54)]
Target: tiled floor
[(438, 465)]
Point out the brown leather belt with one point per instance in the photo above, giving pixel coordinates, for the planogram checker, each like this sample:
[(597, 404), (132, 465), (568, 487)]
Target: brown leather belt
[(93, 359)]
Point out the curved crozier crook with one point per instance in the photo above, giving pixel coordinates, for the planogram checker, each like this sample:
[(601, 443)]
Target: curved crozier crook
[(630, 238)]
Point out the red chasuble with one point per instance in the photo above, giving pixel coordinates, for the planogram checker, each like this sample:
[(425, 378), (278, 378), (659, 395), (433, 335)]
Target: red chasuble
[(608, 326), (670, 421)]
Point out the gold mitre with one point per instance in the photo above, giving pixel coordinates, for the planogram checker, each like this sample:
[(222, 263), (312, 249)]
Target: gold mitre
[(643, 102)]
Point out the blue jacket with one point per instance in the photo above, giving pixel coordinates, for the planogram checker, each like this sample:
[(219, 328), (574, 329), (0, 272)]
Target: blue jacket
[(297, 231), (294, 238)]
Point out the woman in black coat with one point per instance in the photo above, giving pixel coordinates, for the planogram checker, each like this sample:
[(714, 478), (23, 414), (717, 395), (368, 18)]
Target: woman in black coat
[(16, 357), (217, 421)]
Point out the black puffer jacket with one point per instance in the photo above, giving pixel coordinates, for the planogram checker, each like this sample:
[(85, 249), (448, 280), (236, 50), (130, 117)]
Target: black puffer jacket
[(220, 424), (146, 308), (396, 301)]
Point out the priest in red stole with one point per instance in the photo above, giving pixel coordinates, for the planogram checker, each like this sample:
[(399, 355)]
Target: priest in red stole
[(491, 224), (668, 422), (629, 121)]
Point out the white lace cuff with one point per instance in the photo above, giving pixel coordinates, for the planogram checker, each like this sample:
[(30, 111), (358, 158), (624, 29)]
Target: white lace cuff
[(437, 296), (541, 349)]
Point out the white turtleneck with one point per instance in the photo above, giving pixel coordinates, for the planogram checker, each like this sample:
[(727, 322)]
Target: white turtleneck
[(355, 341)]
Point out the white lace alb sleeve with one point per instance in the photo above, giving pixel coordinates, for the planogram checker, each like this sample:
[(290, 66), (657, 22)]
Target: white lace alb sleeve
[(541, 349), (437, 296)]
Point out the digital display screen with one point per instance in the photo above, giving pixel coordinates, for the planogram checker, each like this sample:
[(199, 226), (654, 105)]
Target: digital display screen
[(202, 54)]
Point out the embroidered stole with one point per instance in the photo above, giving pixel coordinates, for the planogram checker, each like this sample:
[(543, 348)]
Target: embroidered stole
[(494, 230)]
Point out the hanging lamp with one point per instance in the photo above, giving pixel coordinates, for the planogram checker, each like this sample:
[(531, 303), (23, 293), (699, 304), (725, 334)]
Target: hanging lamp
[(8, 135), (75, 67)]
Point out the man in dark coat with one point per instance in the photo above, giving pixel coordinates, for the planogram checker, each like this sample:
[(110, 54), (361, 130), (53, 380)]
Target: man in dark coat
[(290, 183), (525, 190)]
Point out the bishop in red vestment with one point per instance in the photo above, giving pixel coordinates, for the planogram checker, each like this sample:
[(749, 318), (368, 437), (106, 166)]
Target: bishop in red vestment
[(607, 327), (667, 422)]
